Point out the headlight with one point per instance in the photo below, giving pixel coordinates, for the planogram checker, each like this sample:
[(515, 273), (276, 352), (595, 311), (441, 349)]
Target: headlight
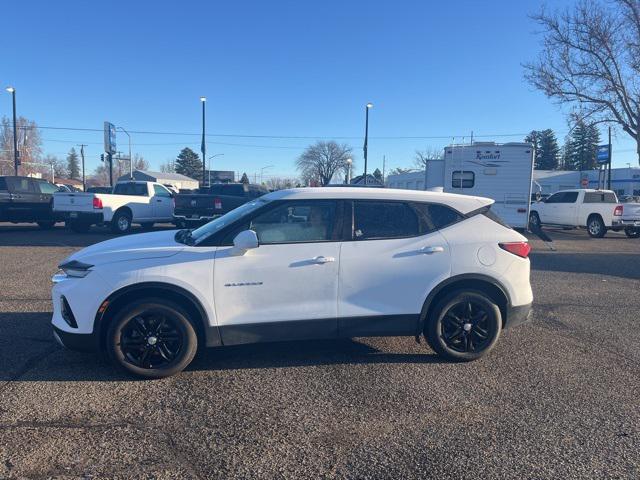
[(75, 269)]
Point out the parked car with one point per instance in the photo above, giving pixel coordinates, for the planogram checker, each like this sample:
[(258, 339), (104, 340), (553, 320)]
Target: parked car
[(100, 189), (300, 264), (593, 209), (131, 202), (193, 209), (26, 199), (629, 220)]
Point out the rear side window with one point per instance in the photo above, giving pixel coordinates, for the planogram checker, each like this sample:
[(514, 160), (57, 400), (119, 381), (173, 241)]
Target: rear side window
[(19, 184), (600, 197), (234, 189), (139, 189), (435, 217), (46, 187), (379, 220)]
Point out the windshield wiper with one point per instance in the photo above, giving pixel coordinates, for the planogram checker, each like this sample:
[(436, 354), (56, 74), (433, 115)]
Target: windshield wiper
[(184, 236)]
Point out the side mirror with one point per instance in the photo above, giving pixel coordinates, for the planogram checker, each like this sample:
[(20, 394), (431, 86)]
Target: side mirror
[(245, 240)]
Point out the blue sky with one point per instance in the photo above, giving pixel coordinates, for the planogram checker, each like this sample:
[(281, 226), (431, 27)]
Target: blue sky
[(276, 68)]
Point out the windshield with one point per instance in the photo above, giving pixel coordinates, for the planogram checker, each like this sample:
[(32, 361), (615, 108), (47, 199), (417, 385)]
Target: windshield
[(205, 231)]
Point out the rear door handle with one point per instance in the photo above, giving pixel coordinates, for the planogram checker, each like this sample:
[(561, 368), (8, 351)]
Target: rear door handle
[(430, 250), (322, 260)]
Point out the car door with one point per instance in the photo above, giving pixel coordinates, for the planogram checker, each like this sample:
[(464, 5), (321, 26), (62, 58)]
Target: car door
[(25, 199), (566, 209), (395, 258), (547, 211), (162, 203), (45, 205), (287, 287)]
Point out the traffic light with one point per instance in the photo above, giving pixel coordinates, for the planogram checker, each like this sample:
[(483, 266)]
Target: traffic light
[(102, 157)]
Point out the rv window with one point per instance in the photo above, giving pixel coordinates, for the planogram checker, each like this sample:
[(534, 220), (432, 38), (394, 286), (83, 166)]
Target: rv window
[(462, 179)]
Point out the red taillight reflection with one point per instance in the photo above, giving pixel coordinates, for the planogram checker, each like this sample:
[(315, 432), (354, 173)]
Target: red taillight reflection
[(97, 202), (520, 249), (217, 204), (618, 210)]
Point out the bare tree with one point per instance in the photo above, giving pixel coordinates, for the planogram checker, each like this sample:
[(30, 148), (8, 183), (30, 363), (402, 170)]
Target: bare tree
[(101, 174), (29, 143), (423, 156), (590, 61), (169, 166), (139, 162), (319, 162), (279, 183)]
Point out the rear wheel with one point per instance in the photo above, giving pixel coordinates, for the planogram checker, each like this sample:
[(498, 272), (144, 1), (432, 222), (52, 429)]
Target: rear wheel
[(48, 225), (596, 227), (152, 338), (464, 326), (632, 232), (121, 222)]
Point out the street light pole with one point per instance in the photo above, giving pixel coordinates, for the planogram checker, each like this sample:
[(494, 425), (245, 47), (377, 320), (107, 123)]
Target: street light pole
[(84, 183), (16, 155), (203, 146), (212, 156), (349, 163), (366, 138), (262, 170)]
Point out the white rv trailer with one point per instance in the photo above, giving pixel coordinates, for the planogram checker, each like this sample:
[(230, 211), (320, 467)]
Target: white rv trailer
[(501, 171)]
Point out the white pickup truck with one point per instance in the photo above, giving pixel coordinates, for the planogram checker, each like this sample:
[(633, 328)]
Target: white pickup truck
[(593, 209), (629, 220), (145, 203)]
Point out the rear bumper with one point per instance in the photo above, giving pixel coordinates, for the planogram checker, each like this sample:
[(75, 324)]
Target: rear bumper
[(626, 223), (83, 217), (195, 217), (518, 315), (82, 342)]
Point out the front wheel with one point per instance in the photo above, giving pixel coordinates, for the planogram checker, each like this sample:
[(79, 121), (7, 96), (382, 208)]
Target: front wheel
[(534, 221), (596, 227), (632, 232), (152, 338), (464, 326)]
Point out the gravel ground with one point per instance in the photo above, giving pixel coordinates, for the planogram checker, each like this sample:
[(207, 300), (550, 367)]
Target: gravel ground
[(557, 398)]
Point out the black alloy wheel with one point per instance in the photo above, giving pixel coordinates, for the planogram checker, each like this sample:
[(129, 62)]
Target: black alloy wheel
[(152, 338), (464, 326)]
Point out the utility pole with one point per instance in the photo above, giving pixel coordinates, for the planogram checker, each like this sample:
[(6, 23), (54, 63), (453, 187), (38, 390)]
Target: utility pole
[(609, 162), (84, 185), (203, 146), (110, 160), (471, 137), (366, 138)]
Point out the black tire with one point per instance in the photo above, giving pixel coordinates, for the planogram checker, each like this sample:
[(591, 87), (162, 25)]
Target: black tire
[(121, 222), (78, 227), (461, 333), (534, 221), (632, 232), (48, 225), (596, 227), (147, 225), (151, 338)]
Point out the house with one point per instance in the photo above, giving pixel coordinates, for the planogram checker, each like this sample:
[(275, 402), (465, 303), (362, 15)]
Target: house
[(371, 181), (176, 180)]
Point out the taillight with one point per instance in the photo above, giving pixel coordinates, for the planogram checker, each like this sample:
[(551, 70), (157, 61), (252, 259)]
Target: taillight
[(520, 249), (97, 202), (217, 204), (618, 210)]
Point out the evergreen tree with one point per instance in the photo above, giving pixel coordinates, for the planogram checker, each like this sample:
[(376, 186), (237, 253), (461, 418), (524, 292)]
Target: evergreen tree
[(546, 149), (188, 163), (581, 147), (73, 164), (245, 178)]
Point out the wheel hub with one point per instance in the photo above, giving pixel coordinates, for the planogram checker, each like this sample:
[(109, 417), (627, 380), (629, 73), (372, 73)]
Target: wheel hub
[(467, 327), (152, 340)]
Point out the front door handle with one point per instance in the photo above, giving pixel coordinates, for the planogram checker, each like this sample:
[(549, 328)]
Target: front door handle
[(322, 260), (429, 250)]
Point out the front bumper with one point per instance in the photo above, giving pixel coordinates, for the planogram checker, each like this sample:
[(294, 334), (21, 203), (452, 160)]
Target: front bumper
[(518, 315), (82, 342)]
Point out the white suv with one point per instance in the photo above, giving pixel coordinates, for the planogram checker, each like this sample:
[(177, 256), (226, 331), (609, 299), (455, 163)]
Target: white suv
[(300, 264)]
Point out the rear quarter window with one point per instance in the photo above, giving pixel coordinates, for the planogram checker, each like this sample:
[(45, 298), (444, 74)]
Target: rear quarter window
[(434, 216)]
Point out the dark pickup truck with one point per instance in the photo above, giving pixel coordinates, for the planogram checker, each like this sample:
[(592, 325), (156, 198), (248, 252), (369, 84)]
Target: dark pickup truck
[(193, 209), (28, 200)]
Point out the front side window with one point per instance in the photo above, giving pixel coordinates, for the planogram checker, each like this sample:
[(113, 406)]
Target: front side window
[(375, 220), (569, 197), (160, 191), (199, 235), (295, 222), (463, 179)]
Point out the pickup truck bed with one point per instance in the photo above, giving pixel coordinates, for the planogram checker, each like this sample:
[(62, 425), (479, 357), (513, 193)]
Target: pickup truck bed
[(629, 220)]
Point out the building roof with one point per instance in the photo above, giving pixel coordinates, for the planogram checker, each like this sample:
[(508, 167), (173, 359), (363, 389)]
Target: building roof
[(462, 203), (164, 176)]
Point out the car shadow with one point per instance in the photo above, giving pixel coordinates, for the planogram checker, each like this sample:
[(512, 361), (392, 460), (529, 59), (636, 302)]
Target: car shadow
[(28, 353), (625, 265)]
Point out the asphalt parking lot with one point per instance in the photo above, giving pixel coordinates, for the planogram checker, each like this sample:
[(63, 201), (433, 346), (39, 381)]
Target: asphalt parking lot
[(557, 398)]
